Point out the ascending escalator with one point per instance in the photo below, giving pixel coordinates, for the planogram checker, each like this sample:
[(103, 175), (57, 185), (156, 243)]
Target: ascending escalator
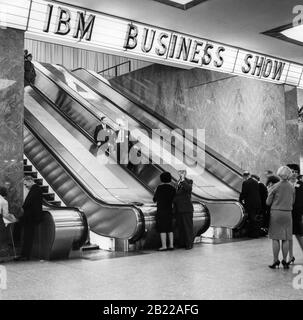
[(217, 194), (115, 203), (222, 179)]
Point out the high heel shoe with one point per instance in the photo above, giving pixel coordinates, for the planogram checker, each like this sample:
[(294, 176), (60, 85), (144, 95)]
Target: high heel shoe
[(291, 261), (275, 264), (285, 264)]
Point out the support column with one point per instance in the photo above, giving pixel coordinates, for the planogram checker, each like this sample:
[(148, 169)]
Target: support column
[(11, 117), (291, 126)]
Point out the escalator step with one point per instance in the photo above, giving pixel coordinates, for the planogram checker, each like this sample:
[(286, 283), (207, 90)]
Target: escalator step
[(44, 189), (49, 196), (31, 173), (39, 182), (55, 203), (28, 167)]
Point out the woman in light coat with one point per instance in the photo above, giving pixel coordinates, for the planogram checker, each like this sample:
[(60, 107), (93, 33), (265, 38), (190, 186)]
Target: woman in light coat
[(281, 198)]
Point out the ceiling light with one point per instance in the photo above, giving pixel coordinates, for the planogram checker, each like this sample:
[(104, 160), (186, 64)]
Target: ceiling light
[(295, 33), (289, 33), (181, 4)]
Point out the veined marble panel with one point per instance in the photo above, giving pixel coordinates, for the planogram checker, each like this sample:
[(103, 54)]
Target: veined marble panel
[(244, 119), (11, 115)]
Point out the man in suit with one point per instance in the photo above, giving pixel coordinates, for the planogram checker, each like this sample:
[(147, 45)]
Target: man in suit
[(184, 211), (263, 196), (251, 200), (32, 215)]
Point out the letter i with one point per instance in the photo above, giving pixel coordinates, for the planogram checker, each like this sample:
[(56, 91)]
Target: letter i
[(172, 46), (48, 17)]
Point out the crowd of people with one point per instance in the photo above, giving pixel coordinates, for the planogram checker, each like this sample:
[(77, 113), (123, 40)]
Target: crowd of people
[(275, 208)]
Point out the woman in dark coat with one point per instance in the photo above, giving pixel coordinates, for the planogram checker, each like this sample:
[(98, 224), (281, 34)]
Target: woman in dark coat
[(29, 71), (184, 211), (164, 196)]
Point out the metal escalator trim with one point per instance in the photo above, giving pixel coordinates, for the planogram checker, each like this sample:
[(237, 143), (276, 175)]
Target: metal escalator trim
[(53, 105), (136, 211), (51, 150), (60, 136), (50, 207), (63, 86), (80, 100), (79, 128), (213, 201), (211, 169), (236, 169), (209, 201)]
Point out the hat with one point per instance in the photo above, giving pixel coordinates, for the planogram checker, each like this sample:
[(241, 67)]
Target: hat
[(246, 174), (165, 177)]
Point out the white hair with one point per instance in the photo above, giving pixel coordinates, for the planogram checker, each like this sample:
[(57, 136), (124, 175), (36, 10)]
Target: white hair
[(284, 173)]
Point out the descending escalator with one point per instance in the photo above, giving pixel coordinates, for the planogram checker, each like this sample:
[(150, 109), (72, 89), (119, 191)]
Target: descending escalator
[(226, 210), (217, 193), (115, 203)]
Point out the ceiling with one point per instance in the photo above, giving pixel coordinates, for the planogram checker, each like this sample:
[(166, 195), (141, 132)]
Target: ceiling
[(234, 22)]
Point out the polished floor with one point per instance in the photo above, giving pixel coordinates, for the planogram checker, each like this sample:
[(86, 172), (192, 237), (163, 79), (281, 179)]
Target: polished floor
[(235, 270)]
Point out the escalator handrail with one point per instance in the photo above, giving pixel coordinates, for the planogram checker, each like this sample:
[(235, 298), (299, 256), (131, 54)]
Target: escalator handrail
[(144, 108), (73, 176), (137, 211), (47, 73), (73, 96), (79, 128), (225, 165), (236, 169)]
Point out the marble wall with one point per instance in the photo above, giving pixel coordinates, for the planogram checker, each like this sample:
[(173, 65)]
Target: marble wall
[(11, 114), (249, 122), (300, 104)]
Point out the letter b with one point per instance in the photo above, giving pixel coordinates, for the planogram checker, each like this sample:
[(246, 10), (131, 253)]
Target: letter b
[(63, 21), (132, 33), (157, 309)]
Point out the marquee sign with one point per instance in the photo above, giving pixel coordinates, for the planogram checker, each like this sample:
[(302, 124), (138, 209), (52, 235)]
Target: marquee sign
[(62, 23)]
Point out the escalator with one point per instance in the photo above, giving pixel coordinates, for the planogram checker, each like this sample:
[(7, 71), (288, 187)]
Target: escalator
[(115, 203), (220, 197), (61, 228), (222, 179)]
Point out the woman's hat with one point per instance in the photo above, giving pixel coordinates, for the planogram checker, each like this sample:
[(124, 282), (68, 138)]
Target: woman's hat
[(165, 177)]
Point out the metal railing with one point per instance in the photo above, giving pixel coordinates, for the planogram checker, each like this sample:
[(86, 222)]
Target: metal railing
[(116, 68)]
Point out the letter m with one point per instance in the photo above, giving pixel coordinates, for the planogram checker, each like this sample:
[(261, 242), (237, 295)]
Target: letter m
[(84, 27)]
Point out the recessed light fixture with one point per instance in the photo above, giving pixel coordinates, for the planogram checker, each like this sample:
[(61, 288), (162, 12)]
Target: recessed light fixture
[(289, 32), (181, 4), (295, 33)]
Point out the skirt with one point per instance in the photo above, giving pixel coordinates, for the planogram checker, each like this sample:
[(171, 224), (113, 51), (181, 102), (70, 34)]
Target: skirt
[(164, 222), (280, 225)]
